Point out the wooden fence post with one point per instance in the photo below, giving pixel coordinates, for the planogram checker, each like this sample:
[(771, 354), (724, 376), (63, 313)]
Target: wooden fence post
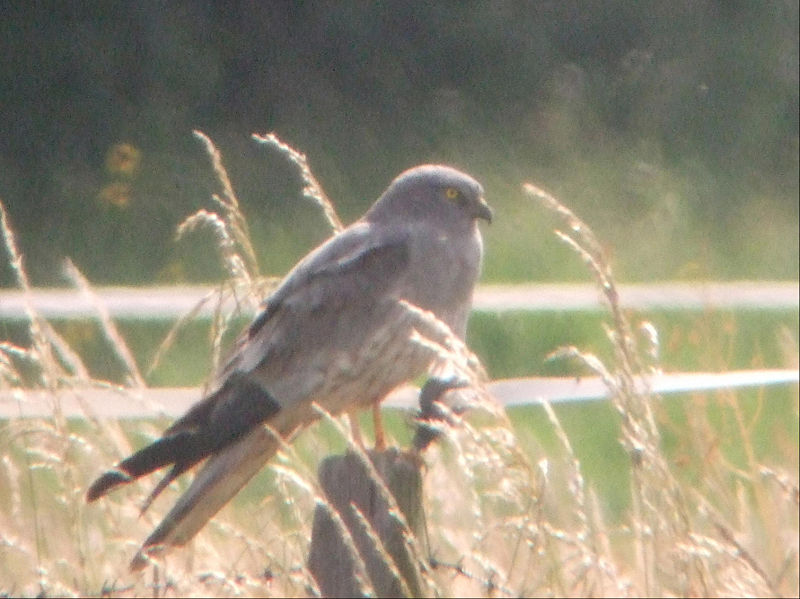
[(345, 481)]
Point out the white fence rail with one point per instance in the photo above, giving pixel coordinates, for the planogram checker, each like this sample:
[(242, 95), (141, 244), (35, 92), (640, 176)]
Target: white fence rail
[(154, 303), (175, 301), (171, 402)]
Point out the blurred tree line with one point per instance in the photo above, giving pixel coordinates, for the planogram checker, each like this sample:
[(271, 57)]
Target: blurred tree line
[(671, 126)]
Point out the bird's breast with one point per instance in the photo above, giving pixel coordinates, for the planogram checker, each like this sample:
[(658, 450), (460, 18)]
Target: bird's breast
[(442, 273)]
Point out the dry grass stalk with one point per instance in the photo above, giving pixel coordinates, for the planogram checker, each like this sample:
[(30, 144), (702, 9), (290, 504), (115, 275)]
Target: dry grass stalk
[(115, 340), (235, 220), (379, 546), (244, 283), (312, 188), (48, 350), (674, 556), (657, 495), (498, 479), (238, 260)]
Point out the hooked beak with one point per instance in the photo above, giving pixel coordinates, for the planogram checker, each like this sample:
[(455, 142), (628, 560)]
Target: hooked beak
[(482, 210)]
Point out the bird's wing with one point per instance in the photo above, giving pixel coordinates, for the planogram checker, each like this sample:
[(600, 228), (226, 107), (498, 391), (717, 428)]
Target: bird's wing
[(325, 310)]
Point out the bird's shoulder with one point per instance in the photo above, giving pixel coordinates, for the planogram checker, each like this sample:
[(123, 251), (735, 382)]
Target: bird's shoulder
[(365, 259)]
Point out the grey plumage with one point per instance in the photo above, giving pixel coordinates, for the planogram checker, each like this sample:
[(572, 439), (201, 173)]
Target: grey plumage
[(334, 332)]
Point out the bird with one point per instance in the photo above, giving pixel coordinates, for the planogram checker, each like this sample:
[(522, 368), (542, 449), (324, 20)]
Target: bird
[(336, 332)]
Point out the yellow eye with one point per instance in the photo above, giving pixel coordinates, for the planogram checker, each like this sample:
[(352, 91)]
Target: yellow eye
[(452, 193)]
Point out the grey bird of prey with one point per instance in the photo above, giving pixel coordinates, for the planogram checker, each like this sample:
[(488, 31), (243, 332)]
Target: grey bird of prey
[(335, 332)]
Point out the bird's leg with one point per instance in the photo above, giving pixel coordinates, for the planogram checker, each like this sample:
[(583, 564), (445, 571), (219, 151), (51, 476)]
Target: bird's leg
[(355, 429), (380, 434)]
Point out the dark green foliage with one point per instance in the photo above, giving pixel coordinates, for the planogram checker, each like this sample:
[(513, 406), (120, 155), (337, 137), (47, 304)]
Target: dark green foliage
[(679, 120)]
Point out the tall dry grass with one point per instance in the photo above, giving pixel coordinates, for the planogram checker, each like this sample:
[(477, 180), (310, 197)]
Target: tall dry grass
[(499, 522)]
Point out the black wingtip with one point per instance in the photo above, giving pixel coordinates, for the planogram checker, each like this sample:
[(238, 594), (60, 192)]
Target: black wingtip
[(104, 484)]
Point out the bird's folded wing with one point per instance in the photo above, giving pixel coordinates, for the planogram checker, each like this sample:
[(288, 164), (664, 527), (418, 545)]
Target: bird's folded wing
[(325, 304)]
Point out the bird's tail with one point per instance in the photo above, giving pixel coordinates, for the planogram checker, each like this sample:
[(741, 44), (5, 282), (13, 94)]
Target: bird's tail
[(219, 420), (228, 428), (215, 484)]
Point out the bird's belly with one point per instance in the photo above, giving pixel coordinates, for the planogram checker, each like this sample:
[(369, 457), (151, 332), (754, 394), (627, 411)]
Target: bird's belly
[(347, 379), (359, 383)]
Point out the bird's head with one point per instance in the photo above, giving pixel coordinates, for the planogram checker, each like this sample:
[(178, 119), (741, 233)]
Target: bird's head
[(432, 192)]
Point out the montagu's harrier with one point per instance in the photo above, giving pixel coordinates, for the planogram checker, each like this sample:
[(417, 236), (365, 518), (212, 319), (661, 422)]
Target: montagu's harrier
[(334, 332)]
